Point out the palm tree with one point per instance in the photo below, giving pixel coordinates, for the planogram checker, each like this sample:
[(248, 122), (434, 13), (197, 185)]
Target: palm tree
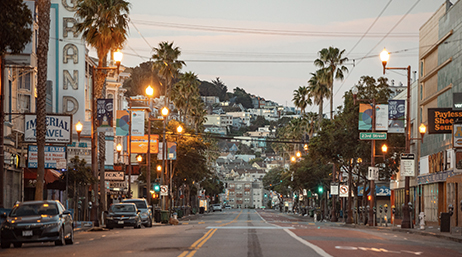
[(167, 65), (301, 98), (331, 58), (309, 122), (318, 89), (105, 27), (184, 91), (42, 62)]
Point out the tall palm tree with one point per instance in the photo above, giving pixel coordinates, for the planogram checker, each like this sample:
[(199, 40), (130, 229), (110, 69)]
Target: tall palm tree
[(42, 66), (105, 28), (184, 91), (167, 65), (318, 89), (301, 98), (332, 59)]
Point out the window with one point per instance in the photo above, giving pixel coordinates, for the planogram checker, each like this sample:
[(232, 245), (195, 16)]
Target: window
[(421, 91), (24, 81), (24, 103), (431, 202)]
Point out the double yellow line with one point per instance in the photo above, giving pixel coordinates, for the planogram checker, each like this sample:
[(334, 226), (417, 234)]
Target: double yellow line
[(199, 243)]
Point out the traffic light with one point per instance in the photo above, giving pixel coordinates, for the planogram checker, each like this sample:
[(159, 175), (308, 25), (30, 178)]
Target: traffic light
[(320, 189), (156, 187)]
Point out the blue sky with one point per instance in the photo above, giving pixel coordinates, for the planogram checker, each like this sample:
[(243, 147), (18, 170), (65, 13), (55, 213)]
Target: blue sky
[(258, 45)]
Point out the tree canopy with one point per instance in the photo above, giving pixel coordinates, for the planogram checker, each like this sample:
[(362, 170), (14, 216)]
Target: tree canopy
[(16, 31)]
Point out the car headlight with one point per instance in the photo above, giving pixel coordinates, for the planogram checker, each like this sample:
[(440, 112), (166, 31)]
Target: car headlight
[(109, 217), (132, 217), (8, 226)]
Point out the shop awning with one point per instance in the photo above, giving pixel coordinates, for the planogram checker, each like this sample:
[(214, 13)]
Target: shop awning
[(50, 175)]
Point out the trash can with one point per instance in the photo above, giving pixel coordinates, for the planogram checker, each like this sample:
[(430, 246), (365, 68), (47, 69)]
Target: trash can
[(180, 213), (201, 210), (445, 222), (164, 216), (157, 217)]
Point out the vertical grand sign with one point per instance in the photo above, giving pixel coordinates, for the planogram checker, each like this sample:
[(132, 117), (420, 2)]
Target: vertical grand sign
[(66, 62)]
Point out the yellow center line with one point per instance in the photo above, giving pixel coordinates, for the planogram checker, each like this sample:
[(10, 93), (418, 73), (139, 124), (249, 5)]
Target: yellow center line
[(201, 241)]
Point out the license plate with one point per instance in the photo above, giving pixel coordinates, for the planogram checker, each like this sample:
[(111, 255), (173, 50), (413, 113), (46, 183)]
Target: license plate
[(27, 233), (121, 222)]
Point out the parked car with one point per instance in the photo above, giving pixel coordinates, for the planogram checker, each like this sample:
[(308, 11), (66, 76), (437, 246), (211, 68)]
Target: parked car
[(146, 210), (123, 215), (37, 221), (217, 207), (227, 206)]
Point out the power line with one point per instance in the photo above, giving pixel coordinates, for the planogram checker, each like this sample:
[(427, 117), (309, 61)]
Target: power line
[(380, 41), (299, 33)]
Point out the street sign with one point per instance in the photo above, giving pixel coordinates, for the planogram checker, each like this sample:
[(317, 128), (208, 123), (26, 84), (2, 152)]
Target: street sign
[(373, 173), (407, 165), (343, 191), (114, 175), (373, 135), (117, 184), (334, 188), (164, 190), (61, 164)]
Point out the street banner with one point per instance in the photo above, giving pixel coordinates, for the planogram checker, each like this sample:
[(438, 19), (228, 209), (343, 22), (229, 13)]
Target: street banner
[(139, 144), (440, 120), (104, 115), (122, 123), (137, 123), (396, 116), (171, 151), (53, 154), (59, 128), (381, 117), (365, 117)]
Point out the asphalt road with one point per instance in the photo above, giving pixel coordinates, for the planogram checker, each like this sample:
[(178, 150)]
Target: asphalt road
[(244, 233)]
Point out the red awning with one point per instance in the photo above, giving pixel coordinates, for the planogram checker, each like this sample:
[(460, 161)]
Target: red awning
[(50, 175)]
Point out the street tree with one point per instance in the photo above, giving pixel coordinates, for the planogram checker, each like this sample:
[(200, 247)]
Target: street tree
[(302, 98), (318, 89), (333, 61)]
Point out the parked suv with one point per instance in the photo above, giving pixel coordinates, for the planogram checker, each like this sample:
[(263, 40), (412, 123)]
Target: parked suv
[(123, 215), (146, 210)]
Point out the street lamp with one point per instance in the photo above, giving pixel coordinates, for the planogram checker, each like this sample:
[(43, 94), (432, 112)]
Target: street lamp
[(385, 56), (78, 128), (164, 113), (298, 154), (94, 163), (139, 158), (149, 93), (293, 159)]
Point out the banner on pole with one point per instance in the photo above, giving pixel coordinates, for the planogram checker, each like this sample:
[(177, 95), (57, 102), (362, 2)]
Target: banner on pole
[(122, 123), (104, 115), (137, 123)]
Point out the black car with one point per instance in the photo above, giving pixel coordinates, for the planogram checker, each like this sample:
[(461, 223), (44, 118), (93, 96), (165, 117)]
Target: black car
[(123, 215), (37, 221), (146, 212)]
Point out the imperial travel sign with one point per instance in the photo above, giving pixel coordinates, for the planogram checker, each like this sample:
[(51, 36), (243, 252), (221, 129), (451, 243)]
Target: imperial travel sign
[(59, 128)]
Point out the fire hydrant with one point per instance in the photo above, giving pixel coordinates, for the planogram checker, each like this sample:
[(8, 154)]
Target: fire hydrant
[(422, 220)]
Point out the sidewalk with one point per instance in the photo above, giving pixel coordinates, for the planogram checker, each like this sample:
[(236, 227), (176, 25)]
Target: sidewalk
[(428, 231)]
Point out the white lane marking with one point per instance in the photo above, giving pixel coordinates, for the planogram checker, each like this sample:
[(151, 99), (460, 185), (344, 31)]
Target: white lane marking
[(374, 249), (317, 249)]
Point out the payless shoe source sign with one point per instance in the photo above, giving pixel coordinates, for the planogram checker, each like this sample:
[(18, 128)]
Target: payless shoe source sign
[(440, 120)]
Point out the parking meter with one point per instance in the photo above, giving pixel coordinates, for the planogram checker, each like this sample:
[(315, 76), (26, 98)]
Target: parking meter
[(374, 210), (89, 205), (380, 209), (355, 210), (368, 208), (410, 206), (451, 209), (393, 209), (386, 208)]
